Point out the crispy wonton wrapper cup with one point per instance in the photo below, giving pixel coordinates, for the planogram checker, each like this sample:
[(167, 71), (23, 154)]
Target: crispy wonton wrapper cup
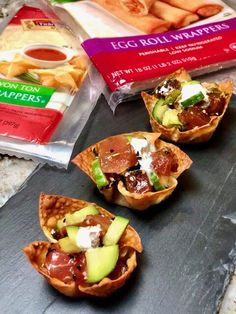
[(119, 195), (54, 207), (195, 135)]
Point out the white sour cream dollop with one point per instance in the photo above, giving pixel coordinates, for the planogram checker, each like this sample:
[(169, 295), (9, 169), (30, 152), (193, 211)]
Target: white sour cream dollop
[(88, 237), (190, 90), (143, 148)]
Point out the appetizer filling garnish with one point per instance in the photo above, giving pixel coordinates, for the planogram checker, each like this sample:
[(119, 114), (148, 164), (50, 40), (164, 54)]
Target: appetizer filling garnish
[(136, 170), (87, 248), (135, 161), (187, 104), (187, 111), (90, 251)]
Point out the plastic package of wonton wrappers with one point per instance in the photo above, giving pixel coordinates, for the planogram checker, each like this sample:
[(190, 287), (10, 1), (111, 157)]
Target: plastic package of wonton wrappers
[(46, 95), (136, 63)]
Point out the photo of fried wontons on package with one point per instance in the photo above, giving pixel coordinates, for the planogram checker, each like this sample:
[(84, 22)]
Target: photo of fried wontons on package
[(67, 75)]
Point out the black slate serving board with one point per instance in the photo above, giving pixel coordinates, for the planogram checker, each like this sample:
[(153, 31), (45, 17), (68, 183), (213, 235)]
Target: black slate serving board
[(186, 239)]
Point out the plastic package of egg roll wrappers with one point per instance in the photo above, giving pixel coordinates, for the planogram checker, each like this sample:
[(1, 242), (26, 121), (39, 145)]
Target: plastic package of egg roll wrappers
[(133, 38)]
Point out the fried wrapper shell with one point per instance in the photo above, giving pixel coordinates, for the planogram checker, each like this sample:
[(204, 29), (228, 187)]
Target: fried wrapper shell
[(36, 253), (54, 207), (119, 195), (198, 134)]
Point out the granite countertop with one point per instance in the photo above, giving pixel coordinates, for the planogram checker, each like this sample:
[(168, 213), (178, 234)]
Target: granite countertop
[(14, 173)]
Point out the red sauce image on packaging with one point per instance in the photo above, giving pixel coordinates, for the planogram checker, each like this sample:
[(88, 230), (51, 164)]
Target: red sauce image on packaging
[(47, 54)]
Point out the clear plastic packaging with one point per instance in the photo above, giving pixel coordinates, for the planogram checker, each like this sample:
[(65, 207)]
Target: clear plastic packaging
[(127, 70), (137, 63), (7, 8), (108, 18), (47, 86), (96, 21)]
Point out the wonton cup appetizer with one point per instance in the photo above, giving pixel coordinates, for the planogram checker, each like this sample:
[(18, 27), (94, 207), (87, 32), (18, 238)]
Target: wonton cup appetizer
[(135, 170), (91, 252), (187, 111)]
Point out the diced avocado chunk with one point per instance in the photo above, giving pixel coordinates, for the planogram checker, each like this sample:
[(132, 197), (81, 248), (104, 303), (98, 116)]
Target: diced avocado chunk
[(159, 109), (115, 230), (170, 118), (68, 246), (81, 214), (98, 175), (72, 232), (192, 82), (77, 217), (156, 181), (61, 223), (101, 262), (69, 219)]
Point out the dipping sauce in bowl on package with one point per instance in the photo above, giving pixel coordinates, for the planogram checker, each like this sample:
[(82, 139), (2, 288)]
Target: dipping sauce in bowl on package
[(47, 56)]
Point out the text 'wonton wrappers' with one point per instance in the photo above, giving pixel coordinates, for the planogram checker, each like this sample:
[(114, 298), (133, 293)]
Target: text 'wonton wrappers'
[(55, 207), (197, 134), (117, 193)]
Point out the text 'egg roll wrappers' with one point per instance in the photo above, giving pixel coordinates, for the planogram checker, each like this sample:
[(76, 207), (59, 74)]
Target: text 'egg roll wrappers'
[(201, 7), (147, 24), (139, 7), (177, 17)]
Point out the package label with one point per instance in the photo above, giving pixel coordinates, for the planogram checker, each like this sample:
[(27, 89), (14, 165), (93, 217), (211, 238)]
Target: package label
[(139, 58), (40, 73), (28, 122), (24, 94)]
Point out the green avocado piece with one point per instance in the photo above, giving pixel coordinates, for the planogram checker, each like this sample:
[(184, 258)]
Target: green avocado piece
[(69, 219), (159, 109), (101, 261), (192, 82), (156, 181), (170, 118), (72, 233), (115, 230), (77, 217), (68, 246), (80, 215), (61, 223)]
